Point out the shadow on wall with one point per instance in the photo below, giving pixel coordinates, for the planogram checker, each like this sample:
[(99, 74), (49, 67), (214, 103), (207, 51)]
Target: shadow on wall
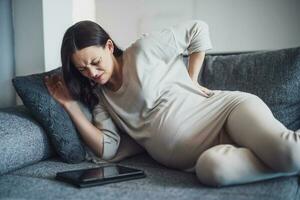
[(7, 94)]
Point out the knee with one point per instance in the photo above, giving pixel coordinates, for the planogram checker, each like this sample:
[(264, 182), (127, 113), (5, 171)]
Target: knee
[(288, 157), (212, 169), (255, 100), (250, 96)]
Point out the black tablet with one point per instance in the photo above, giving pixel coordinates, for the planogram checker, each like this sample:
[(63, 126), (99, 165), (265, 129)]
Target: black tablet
[(100, 175)]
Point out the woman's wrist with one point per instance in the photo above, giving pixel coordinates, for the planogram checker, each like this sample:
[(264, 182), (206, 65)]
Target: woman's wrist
[(194, 79), (192, 75), (70, 105)]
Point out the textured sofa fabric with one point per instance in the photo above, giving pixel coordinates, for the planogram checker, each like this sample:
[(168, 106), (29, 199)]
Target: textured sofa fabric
[(274, 76), (37, 182), (22, 140), (51, 116)]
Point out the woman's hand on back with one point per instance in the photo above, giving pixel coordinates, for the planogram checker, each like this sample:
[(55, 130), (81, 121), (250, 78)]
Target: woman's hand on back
[(204, 90), (58, 90)]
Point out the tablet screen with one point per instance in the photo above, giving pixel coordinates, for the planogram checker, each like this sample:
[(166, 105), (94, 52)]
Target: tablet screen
[(99, 173)]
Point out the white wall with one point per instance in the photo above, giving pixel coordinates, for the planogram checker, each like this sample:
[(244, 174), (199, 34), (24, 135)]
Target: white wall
[(235, 25), (39, 26), (245, 25), (57, 17), (126, 20), (28, 35), (119, 19), (39, 29), (83, 10)]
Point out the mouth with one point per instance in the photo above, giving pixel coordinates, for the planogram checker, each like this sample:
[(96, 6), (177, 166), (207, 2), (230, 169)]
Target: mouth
[(98, 77)]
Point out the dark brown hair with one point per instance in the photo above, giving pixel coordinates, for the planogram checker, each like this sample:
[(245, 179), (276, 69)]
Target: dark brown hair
[(81, 35)]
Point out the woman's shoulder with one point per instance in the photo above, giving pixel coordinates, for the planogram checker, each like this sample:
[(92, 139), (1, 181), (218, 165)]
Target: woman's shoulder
[(156, 39), (154, 45), (142, 43), (137, 50)]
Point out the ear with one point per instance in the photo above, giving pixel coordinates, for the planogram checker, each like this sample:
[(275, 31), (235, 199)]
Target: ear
[(110, 45)]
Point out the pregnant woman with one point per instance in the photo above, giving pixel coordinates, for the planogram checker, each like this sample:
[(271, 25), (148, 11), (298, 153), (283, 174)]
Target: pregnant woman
[(146, 91)]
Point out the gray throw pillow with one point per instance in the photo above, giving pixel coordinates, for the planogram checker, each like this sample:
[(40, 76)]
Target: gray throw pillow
[(56, 122), (274, 76)]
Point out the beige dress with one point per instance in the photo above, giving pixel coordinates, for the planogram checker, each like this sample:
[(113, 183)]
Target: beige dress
[(158, 105)]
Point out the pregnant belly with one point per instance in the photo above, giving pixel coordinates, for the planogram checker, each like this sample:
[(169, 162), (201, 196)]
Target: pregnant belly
[(181, 132), (168, 129)]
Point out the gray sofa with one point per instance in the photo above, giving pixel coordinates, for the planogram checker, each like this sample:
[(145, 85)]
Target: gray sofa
[(28, 162)]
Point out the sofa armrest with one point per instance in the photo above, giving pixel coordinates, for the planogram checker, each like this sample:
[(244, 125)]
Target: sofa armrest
[(22, 140)]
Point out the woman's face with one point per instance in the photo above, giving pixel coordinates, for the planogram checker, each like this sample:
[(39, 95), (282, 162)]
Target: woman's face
[(95, 62)]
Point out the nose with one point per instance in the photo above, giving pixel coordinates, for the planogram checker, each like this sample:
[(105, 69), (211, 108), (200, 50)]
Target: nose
[(92, 72)]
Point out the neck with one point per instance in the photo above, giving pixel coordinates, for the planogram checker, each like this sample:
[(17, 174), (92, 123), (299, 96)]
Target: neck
[(117, 77)]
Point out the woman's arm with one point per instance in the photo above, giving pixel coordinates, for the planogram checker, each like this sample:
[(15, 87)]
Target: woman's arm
[(191, 36), (111, 134), (90, 134), (195, 63), (194, 67)]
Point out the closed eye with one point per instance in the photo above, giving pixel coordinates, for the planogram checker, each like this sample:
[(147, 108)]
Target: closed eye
[(96, 63), (81, 69)]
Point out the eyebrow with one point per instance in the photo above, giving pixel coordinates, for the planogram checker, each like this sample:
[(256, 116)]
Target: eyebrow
[(91, 62)]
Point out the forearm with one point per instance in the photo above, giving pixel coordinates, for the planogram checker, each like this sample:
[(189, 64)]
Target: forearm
[(91, 135), (195, 63)]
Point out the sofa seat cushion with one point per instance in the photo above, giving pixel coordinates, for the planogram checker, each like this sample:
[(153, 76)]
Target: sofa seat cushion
[(274, 76), (22, 140), (37, 181)]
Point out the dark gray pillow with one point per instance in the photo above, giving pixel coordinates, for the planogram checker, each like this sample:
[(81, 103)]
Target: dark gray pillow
[(274, 76), (56, 122)]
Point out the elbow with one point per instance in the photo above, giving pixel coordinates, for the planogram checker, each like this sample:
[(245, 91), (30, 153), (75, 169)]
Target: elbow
[(110, 147)]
